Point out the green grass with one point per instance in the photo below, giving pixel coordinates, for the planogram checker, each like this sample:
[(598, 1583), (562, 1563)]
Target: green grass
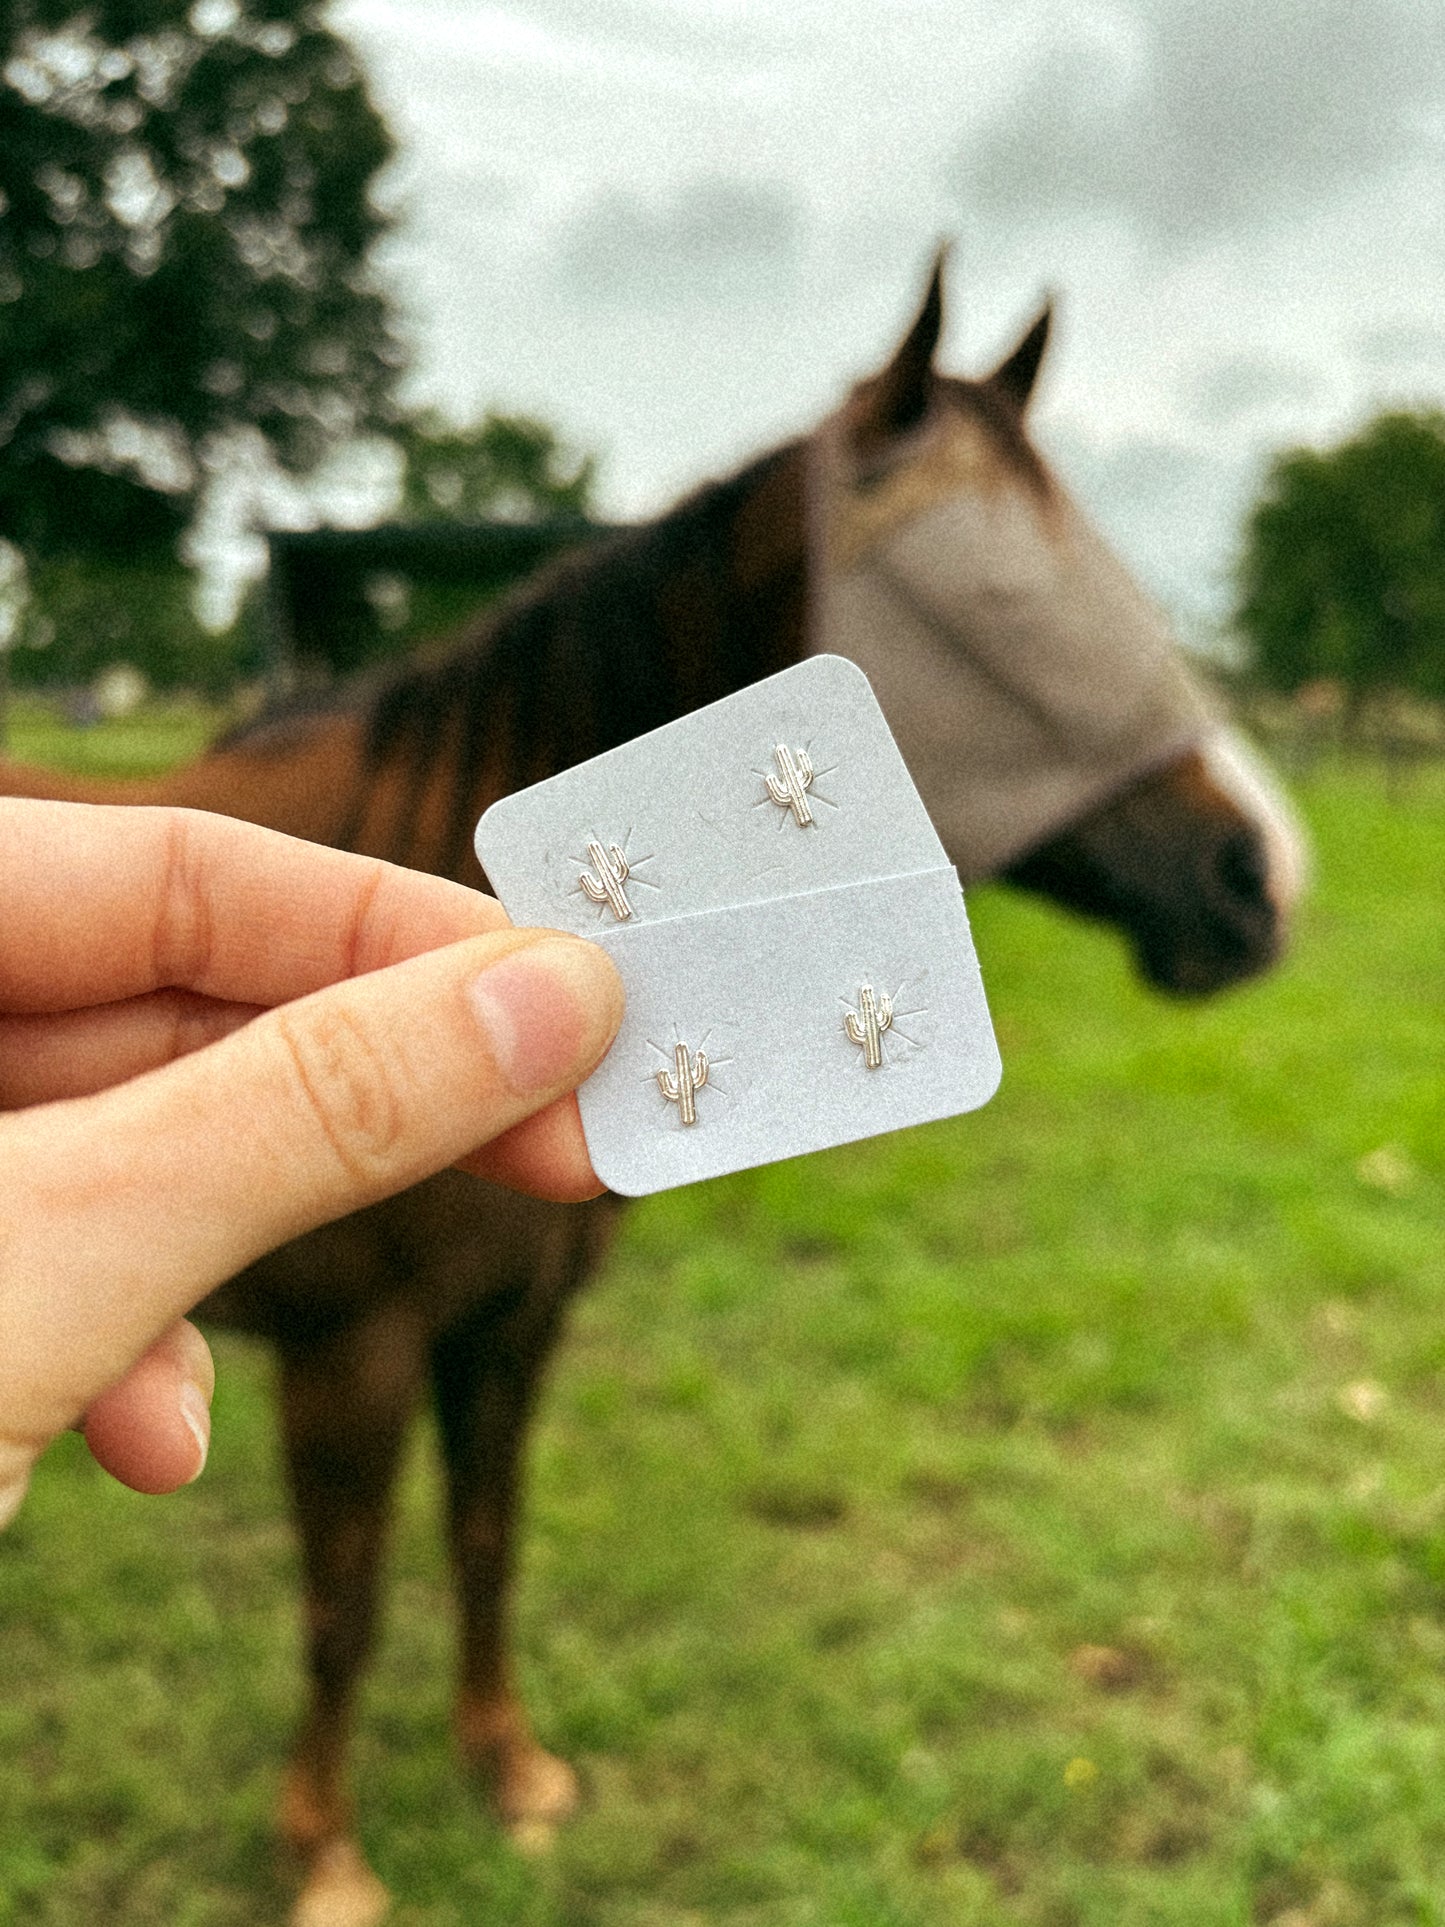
[(36, 731), (1036, 1519)]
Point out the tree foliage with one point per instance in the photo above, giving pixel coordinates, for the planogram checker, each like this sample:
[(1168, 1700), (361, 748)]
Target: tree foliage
[(504, 468), (185, 221), (352, 597), (88, 612), (1343, 569)]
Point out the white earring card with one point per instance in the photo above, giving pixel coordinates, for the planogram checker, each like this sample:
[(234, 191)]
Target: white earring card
[(792, 939), (689, 808)]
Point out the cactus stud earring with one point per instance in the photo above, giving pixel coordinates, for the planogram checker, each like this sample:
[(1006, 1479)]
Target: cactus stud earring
[(606, 887), (789, 788), (681, 1084), (867, 1024)]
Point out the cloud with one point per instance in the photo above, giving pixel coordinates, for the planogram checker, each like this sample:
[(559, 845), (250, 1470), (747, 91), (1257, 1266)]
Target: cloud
[(1243, 385), (715, 236), (562, 33), (1171, 509), (1400, 348), (731, 36), (1189, 122)]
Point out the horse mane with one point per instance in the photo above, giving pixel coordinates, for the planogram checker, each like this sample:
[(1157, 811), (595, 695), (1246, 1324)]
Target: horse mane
[(603, 644)]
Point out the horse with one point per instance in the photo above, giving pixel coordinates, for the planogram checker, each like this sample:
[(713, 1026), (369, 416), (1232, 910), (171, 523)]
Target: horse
[(1060, 741)]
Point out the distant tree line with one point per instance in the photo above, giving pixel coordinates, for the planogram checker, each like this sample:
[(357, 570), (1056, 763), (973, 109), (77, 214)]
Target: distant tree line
[(1342, 578), (187, 222)]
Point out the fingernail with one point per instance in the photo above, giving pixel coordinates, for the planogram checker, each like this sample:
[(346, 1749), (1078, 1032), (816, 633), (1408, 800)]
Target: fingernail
[(197, 1415), (549, 1012)]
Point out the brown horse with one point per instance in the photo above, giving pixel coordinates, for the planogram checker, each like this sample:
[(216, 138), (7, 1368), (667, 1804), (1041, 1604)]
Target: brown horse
[(1058, 740)]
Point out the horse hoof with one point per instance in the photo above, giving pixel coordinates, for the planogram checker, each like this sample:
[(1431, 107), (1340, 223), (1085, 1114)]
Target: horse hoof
[(341, 1890), (534, 1838), (535, 1791)]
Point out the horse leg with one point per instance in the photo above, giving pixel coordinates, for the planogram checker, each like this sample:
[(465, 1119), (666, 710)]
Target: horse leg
[(485, 1375), (346, 1399), (486, 1371)]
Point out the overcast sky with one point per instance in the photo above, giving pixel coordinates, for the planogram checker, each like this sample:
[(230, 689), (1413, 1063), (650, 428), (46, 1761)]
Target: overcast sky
[(679, 228)]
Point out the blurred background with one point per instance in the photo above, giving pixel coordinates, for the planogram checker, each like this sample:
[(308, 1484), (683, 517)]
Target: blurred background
[(278, 266), (1038, 1518)]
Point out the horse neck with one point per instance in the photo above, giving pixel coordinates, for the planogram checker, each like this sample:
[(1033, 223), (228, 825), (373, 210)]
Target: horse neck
[(301, 791), (613, 643), (62, 786), (294, 773)]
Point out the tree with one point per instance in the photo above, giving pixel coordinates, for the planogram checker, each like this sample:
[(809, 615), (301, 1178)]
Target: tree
[(185, 223), (354, 596), (506, 468), (1343, 569)]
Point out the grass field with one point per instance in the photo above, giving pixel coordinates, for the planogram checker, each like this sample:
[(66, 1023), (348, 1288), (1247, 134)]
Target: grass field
[(1034, 1519), (37, 731)]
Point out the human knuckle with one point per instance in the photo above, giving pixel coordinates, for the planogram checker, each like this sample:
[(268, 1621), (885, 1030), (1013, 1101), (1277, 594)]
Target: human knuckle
[(184, 936), (351, 1088)]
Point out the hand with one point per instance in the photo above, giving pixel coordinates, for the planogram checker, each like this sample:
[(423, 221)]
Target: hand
[(222, 1037)]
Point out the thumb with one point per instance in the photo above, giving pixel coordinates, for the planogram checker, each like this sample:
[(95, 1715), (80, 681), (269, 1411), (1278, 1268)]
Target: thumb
[(131, 1205)]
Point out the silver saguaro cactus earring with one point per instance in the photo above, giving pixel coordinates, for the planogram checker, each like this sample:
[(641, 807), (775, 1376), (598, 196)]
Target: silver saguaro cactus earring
[(789, 788), (612, 871), (682, 1083), (867, 1024)]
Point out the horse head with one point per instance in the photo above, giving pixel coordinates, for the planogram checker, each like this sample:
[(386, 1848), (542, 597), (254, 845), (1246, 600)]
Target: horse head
[(1056, 730)]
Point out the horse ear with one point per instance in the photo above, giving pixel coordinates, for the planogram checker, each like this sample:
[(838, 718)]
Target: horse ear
[(901, 394), (1019, 370)]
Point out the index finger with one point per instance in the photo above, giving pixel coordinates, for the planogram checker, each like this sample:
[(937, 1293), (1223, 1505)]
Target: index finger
[(104, 902)]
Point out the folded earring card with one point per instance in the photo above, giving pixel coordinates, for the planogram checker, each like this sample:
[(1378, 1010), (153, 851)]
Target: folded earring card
[(789, 931), (689, 810)]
